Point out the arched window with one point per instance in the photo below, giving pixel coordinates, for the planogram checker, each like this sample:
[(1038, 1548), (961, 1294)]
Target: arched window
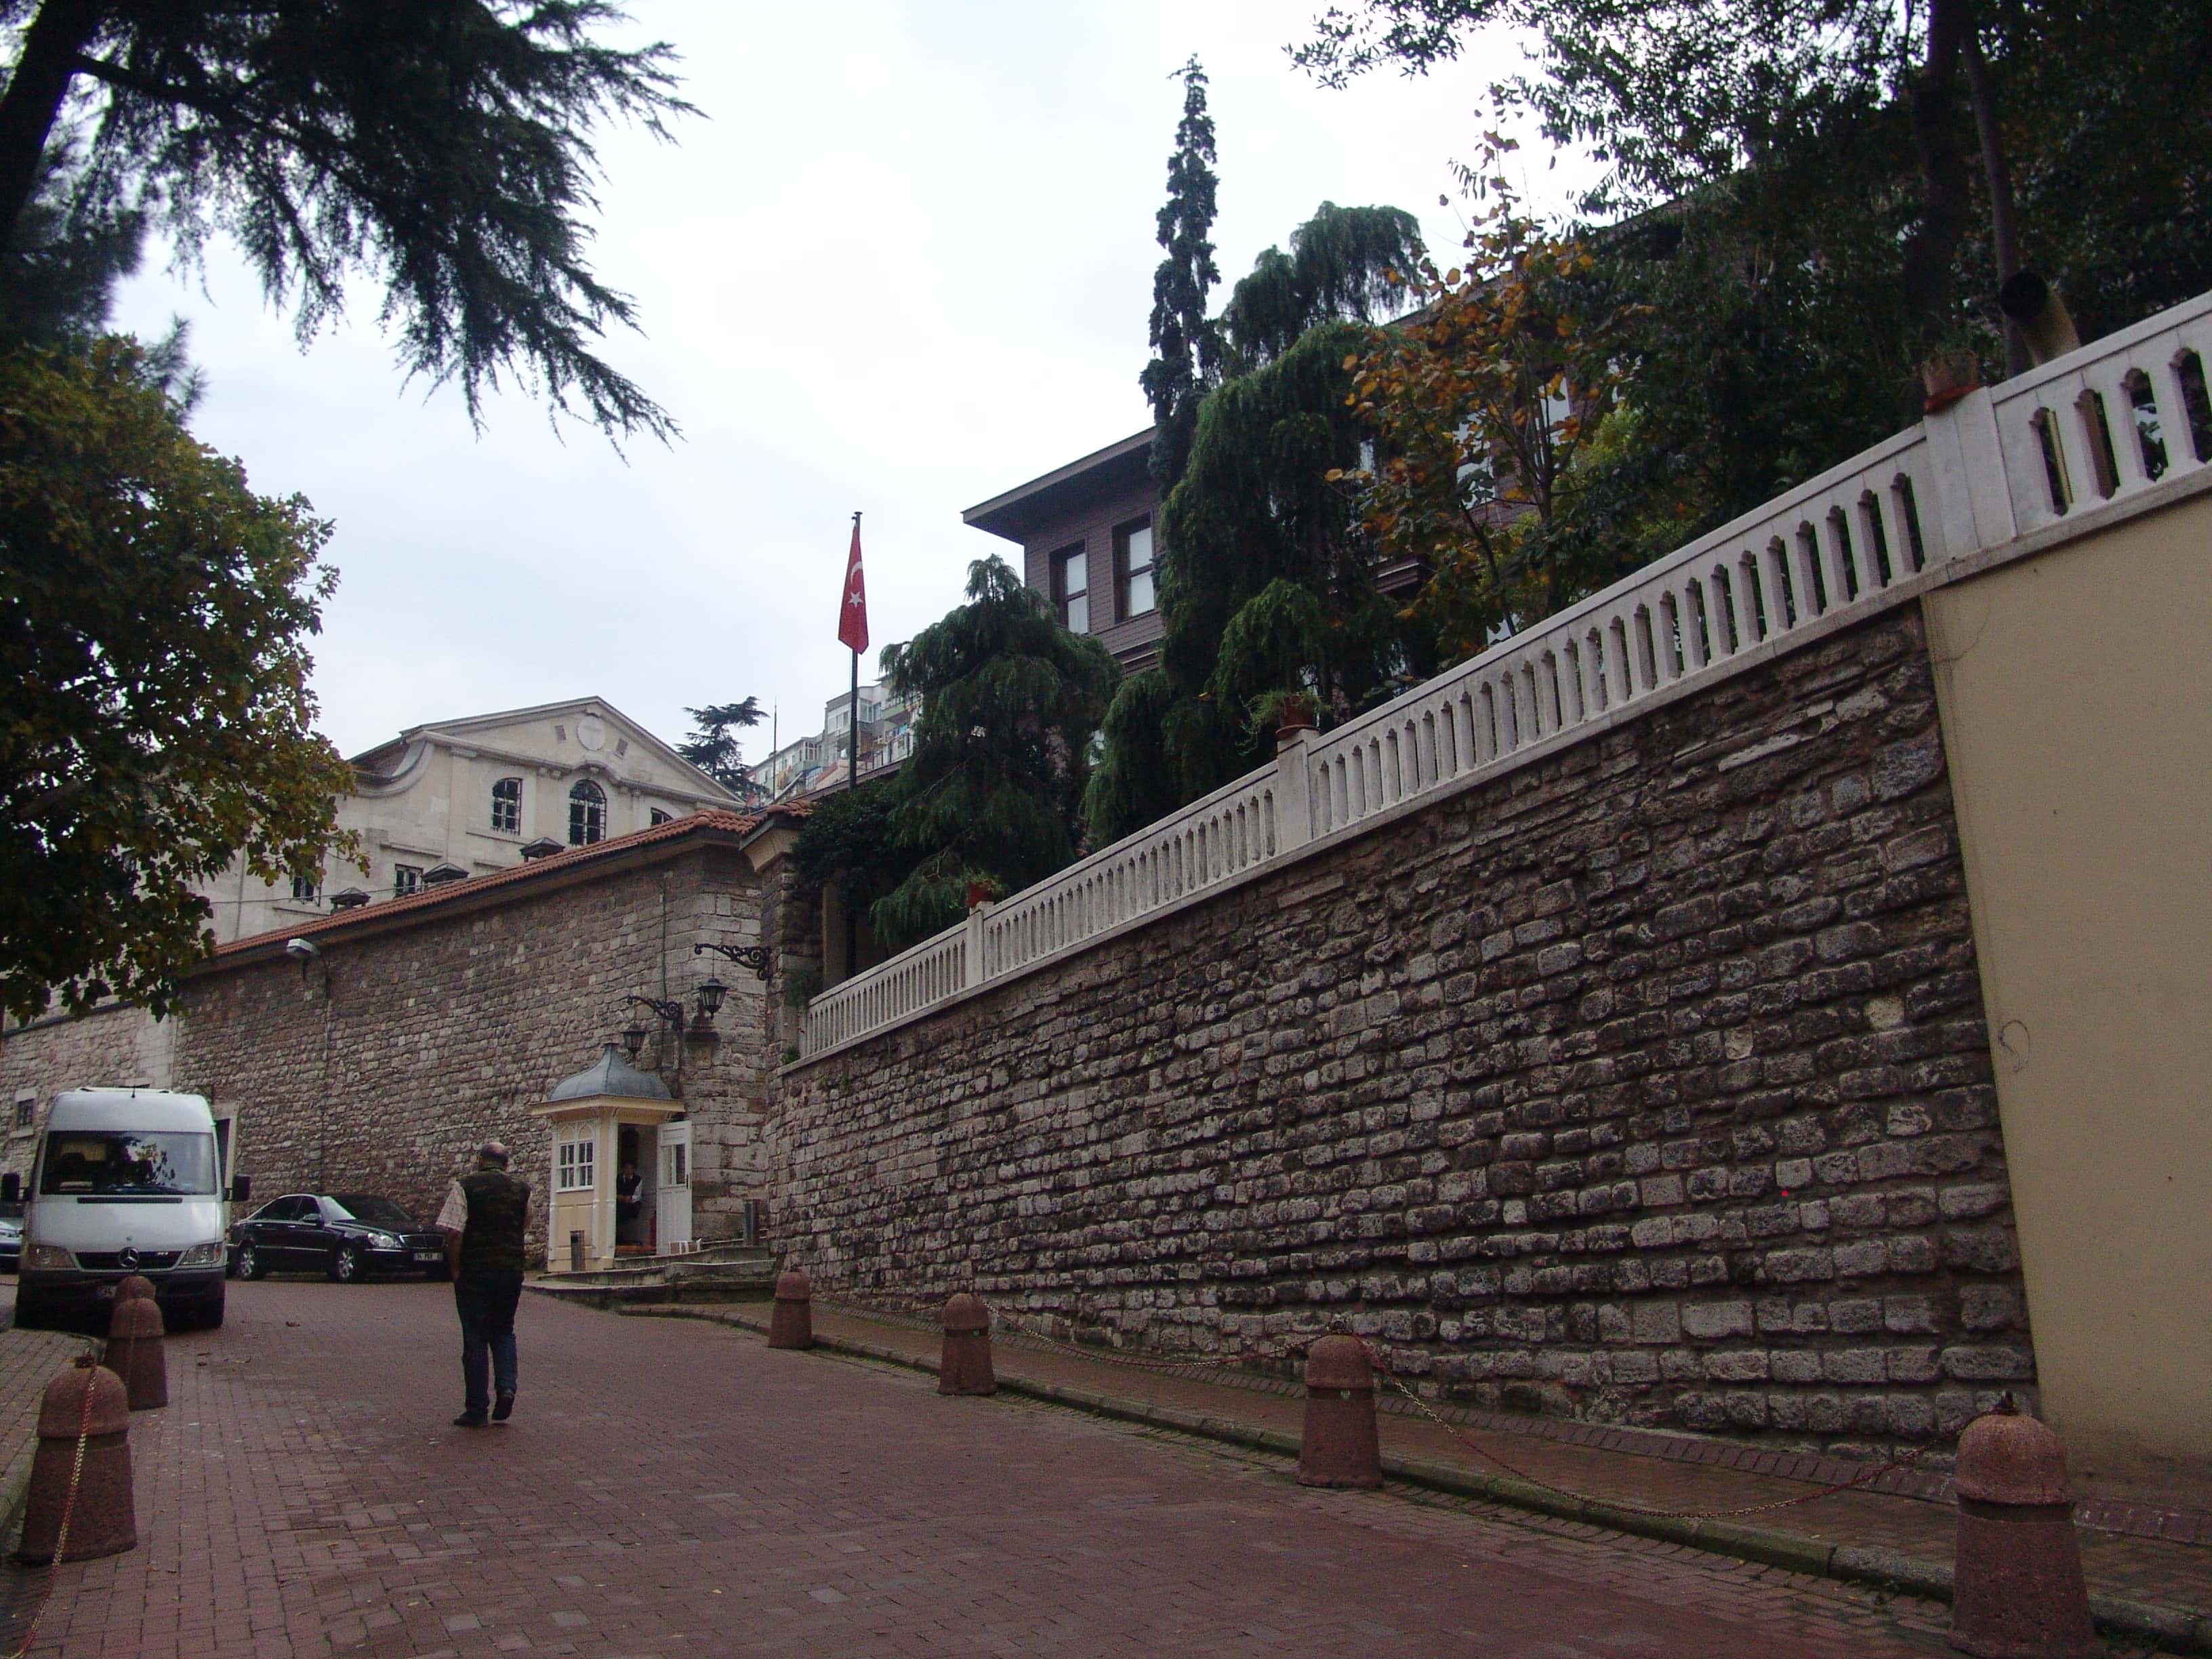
[(587, 814), (506, 807)]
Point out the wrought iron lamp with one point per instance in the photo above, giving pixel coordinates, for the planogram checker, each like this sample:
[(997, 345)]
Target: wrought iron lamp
[(754, 956)]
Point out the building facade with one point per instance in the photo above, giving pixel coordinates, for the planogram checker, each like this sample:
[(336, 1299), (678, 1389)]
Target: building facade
[(1089, 536), (809, 765), (456, 798), (371, 1050)]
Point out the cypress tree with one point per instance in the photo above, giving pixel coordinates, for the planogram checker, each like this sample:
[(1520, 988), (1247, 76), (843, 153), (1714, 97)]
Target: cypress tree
[(1186, 346)]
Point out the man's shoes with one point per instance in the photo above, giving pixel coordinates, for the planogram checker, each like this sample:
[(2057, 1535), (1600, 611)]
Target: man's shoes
[(469, 1420), (503, 1406)]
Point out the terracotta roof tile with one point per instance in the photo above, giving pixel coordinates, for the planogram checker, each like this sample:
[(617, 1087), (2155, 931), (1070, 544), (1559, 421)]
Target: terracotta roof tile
[(738, 823)]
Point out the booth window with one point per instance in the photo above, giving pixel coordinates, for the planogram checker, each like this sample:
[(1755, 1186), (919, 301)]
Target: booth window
[(573, 1167)]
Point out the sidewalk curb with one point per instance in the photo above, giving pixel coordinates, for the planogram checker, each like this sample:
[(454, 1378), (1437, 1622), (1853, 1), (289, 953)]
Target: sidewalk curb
[(2179, 1630)]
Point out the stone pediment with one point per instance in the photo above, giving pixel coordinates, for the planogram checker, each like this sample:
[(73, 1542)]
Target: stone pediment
[(585, 736)]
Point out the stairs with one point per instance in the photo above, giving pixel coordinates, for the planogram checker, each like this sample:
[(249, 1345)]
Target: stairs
[(713, 1272)]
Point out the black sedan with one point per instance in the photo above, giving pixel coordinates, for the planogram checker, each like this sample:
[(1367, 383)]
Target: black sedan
[(349, 1235)]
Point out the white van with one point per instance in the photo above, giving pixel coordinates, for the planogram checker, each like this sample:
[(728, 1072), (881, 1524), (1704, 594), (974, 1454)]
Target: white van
[(127, 1181)]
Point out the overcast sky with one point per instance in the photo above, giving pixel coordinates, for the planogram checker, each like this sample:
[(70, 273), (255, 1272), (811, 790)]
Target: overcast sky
[(902, 264)]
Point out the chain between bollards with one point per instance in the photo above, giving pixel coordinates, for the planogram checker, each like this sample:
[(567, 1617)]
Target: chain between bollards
[(61, 1537), (1908, 1461)]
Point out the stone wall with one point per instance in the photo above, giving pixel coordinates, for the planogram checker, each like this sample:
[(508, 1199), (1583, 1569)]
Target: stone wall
[(1648, 1083), (119, 1043), (382, 1063)]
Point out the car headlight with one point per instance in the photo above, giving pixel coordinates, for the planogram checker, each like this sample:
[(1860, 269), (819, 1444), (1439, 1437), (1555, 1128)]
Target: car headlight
[(384, 1240), (202, 1255), (48, 1255)]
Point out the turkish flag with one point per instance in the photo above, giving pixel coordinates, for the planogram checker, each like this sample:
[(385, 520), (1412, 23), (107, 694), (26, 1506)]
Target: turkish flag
[(853, 609)]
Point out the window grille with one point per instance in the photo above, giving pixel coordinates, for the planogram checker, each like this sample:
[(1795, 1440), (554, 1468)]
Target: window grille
[(506, 807)]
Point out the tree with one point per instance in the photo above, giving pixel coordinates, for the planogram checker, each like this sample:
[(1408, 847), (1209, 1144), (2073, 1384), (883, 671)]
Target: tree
[(1678, 98), (1487, 403), (1186, 342), (1266, 584), (1011, 704), (153, 616), (442, 145), (712, 749)]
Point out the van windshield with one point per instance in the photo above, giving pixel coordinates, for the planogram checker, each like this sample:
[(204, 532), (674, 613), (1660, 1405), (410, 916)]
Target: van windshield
[(118, 1163)]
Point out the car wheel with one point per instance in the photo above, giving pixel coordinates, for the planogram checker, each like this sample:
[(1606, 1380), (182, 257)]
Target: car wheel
[(346, 1266), (249, 1261)]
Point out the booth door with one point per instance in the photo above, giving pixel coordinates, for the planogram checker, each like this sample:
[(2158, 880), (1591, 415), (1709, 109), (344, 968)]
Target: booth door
[(673, 1196)]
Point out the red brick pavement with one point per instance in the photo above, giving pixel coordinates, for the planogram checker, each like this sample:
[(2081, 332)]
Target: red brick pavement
[(673, 1489)]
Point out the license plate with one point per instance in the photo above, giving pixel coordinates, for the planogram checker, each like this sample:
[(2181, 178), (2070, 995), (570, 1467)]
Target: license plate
[(428, 1255)]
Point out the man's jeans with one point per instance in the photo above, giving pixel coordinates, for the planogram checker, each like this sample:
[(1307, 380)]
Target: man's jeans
[(485, 1302)]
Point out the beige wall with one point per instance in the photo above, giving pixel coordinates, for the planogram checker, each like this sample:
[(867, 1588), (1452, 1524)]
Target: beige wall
[(2076, 694)]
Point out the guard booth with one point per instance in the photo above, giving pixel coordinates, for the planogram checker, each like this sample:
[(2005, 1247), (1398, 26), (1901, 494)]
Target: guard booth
[(621, 1180)]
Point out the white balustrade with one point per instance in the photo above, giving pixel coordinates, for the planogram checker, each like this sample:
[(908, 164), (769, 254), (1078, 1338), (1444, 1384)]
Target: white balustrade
[(2102, 423), (2110, 420)]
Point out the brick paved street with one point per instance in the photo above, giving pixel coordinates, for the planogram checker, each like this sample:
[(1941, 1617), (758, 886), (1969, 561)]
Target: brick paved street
[(672, 1488)]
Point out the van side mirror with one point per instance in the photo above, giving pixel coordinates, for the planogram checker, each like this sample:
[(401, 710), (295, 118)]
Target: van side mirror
[(11, 1187), (242, 1189)]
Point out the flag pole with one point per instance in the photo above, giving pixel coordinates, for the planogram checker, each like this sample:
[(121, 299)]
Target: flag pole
[(852, 708)]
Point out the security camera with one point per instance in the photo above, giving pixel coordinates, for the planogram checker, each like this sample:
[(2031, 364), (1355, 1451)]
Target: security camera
[(301, 949)]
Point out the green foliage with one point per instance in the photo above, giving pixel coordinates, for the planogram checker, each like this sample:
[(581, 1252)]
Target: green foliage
[(1257, 521), (1485, 403), (153, 615), (850, 841), (1133, 783), (1794, 221), (58, 275), (1186, 342), (442, 146), (1010, 705), (1837, 133), (1344, 264), (711, 747)]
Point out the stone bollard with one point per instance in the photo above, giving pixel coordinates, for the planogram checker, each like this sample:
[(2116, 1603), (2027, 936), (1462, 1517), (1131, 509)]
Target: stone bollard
[(1339, 1446), (137, 1288), (965, 1367), (2017, 1590), (101, 1518), (134, 1352), (791, 1324)]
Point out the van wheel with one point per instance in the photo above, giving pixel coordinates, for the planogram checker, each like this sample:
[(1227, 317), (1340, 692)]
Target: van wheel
[(249, 1262), (345, 1266)]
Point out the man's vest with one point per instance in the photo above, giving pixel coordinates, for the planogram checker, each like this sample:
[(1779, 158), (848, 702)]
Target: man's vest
[(498, 1209)]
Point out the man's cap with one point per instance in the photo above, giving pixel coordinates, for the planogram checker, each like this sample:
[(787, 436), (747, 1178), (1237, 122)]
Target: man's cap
[(492, 1151)]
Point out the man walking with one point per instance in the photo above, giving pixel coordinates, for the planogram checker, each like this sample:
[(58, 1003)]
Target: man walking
[(483, 1221)]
